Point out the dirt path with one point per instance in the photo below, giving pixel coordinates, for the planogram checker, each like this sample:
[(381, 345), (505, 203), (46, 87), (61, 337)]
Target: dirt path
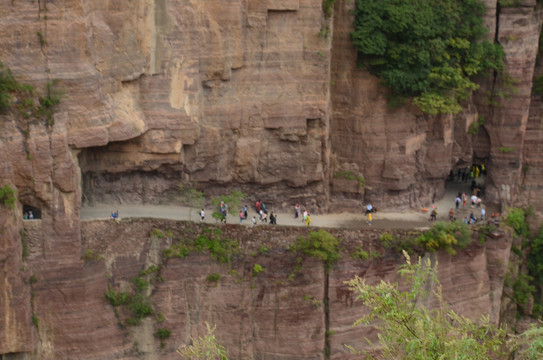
[(381, 220)]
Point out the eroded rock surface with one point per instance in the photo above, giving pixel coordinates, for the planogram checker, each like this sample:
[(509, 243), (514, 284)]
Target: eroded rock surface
[(232, 95)]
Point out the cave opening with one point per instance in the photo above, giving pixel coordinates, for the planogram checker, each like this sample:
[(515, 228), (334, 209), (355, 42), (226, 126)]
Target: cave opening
[(31, 212), (124, 173)]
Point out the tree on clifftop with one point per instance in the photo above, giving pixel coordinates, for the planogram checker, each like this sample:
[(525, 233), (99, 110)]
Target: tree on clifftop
[(426, 49)]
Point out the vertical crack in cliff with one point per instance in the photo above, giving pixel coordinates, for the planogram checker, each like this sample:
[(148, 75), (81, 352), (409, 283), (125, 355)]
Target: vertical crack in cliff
[(325, 301)]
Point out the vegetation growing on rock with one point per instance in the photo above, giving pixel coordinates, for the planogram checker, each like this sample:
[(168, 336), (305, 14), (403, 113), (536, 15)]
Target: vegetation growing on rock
[(427, 50)]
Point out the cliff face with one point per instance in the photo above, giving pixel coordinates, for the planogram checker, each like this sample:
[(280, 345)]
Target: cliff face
[(279, 313), (237, 94)]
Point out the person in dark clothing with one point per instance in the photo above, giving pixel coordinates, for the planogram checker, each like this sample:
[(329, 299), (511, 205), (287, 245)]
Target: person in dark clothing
[(273, 218)]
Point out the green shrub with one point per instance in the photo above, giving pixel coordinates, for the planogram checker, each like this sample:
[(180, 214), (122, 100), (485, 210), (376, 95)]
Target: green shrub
[(8, 85), (163, 333), (474, 127), (214, 277), (150, 270), (425, 49), (48, 102), (32, 280), (263, 250), (517, 220), (328, 8), (160, 318), (257, 269), (91, 256), (321, 245), (141, 284), (35, 321), (140, 306), (446, 236), (522, 290), (8, 196), (386, 240), (117, 298), (157, 233)]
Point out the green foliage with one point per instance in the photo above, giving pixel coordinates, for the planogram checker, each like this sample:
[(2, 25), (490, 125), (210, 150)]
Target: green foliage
[(41, 38), (179, 250), (35, 321), (529, 344), (141, 284), (429, 50), (386, 240), (257, 269), (117, 298), (91, 256), (510, 3), (263, 250), (474, 127), (537, 87), (321, 245), (48, 102), (150, 270), (214, 277), (505, 149), (517, 220), (446, 236), (8, 85), (32, 280), (140, 306), (409, 330), (219, 247), (157, 233), (328, 8), (203, 348), (349, 175), (484, 231), (8, 196), (163, 333), (535, 257), (160, 318), (324, 32), (362, 255), (522, 290)]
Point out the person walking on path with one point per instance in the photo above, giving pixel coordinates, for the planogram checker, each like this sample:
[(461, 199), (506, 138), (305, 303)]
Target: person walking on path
[(245, 212), (202, 215), (241, 217), (370, 218), (457, 201), (483, 213), (297, 211), (307, 219), (305, 216), (254, 221), (273, 218)]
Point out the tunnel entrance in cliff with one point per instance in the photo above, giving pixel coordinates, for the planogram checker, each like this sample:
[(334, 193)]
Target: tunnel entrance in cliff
[(124, 173)]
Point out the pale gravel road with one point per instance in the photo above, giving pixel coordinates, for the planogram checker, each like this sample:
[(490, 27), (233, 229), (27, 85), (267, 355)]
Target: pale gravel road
[(381, 220)]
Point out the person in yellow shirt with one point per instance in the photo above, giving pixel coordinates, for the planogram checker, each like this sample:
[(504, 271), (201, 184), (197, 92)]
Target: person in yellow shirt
[(307, 220), (370, 218)]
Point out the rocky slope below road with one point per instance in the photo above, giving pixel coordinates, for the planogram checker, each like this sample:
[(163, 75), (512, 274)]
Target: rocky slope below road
[(286, 311)]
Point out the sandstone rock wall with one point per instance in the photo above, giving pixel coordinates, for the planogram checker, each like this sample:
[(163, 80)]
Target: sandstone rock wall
[(238, 94), (278, 314)]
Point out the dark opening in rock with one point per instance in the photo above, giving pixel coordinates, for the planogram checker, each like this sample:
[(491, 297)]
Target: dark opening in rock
[(31, 212)]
